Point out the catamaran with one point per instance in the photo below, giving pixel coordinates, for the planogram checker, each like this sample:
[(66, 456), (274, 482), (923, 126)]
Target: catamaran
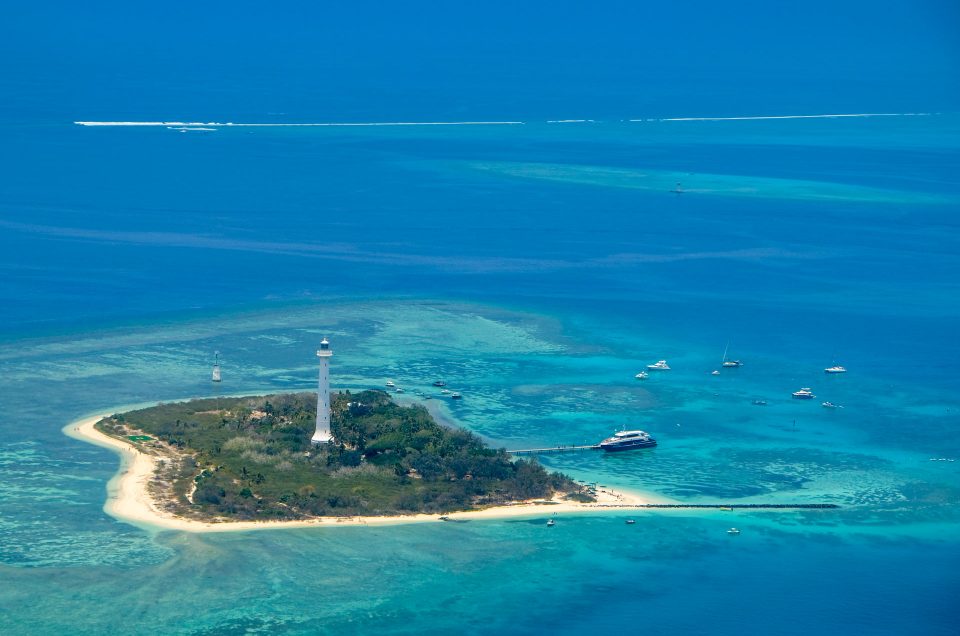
[(730, 363)]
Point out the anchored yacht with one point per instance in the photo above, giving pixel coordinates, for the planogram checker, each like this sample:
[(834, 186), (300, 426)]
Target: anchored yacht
[(660, 365), (730, 363), (835, 369), (804, 394)]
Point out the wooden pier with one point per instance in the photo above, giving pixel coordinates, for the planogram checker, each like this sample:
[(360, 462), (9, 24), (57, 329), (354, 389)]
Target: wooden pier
[(553, 449)]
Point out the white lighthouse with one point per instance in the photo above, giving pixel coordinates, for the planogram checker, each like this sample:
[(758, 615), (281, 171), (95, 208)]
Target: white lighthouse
[(322, 436)]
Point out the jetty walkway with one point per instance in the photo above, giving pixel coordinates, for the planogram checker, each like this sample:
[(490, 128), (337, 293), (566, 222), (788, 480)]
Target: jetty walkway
[(728, 506), (553, 449)]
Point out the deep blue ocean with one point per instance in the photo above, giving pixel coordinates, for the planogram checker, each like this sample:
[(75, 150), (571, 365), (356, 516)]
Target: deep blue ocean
[(535, 266)]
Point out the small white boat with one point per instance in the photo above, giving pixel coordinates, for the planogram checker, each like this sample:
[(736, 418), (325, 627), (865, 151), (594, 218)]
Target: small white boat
[(630, 522), (714, 372), (660, 365), (831, 405), (551, 523), (390, 384), (643, 375), (835, 369), (733, 531), (455, 396), (445, 391), (399, 390), (804, 394)]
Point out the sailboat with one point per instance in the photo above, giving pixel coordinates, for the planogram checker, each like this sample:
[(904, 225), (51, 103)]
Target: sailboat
[(730, 363), (216, 367)]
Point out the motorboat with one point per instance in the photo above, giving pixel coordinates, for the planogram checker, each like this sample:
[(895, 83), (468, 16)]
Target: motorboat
[(630, 522), (643, 375), (627, 440), (439, 383), (831, 405), (399, 390), (660, 365), (455, 396), (551, 523), (733, 531), (714, 372), (804, 394), (759, 402), (835, 369), (390, 384)]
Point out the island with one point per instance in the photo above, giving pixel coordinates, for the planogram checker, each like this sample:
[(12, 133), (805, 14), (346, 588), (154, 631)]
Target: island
[(248, 462)]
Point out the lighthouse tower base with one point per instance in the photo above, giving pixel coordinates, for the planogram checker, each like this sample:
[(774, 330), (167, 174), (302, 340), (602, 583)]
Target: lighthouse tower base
[(321, 438)]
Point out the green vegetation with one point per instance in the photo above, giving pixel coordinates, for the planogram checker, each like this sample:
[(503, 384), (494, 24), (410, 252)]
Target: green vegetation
[(252, 459)]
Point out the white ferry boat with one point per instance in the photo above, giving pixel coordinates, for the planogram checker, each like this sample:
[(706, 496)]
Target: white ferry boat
[(627, 440)]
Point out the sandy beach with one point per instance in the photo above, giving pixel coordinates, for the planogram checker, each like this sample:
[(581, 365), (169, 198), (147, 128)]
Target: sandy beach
[(129, 498)]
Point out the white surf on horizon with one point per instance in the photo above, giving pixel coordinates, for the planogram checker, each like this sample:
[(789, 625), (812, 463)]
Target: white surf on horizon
[(176, 124), (753, 117)]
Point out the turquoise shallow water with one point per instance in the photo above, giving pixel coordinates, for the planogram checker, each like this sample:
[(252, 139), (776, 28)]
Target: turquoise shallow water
[(538, 295), (527, 379)]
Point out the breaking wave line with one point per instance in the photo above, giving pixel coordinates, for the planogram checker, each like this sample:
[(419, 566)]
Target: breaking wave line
[(832, 116), (229, 124)]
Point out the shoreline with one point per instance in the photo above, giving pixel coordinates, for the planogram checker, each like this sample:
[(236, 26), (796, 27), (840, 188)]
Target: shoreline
[(129, 499)]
